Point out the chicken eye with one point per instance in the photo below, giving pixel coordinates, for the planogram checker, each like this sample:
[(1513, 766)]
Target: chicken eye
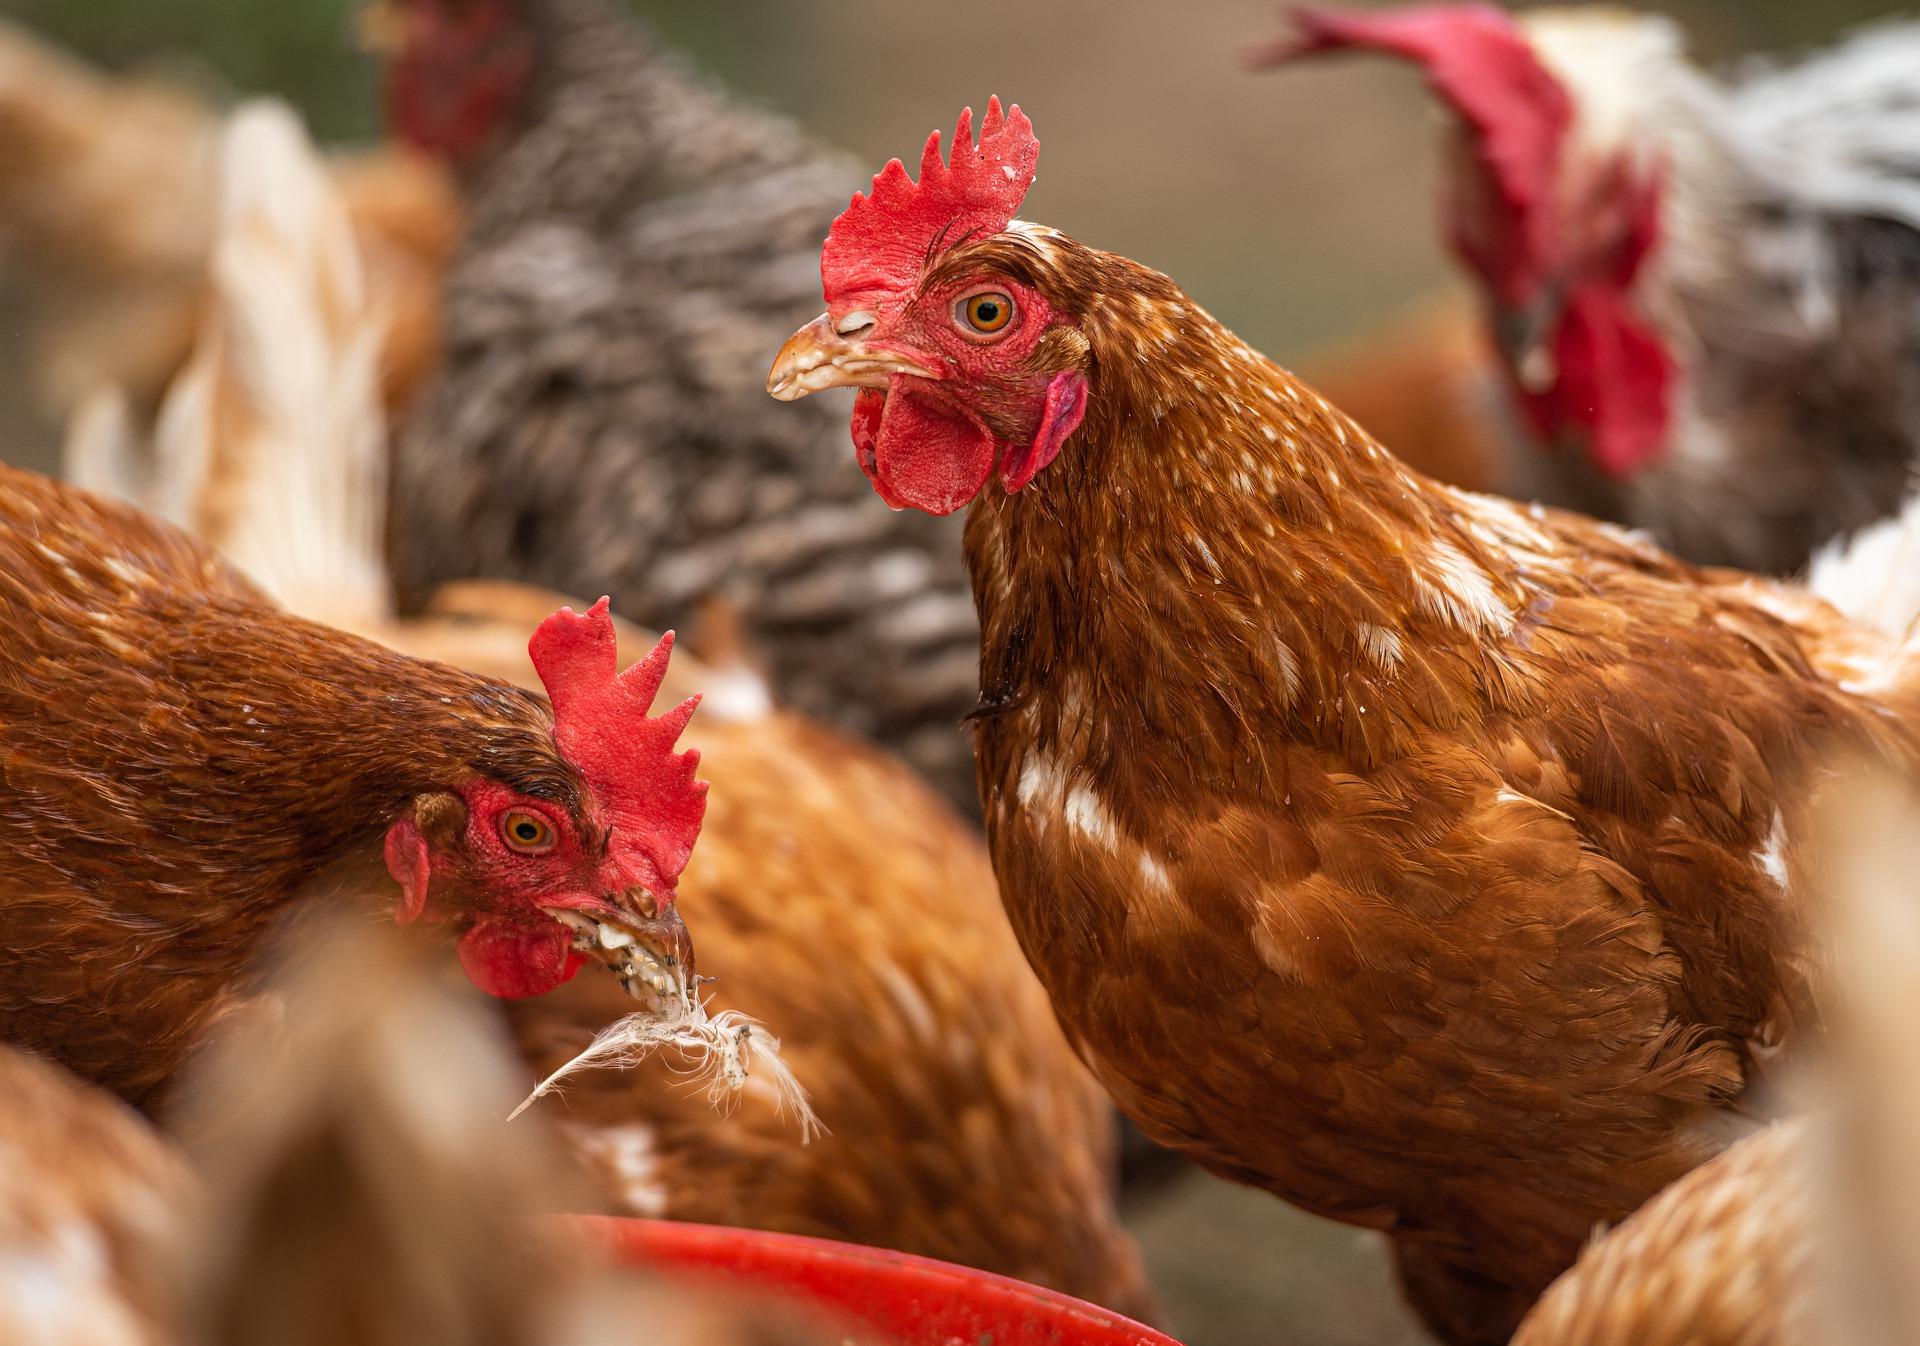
[(987, 312), (527, 833)]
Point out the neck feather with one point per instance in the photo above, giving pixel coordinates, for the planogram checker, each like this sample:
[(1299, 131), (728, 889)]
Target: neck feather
[(1220, 546)]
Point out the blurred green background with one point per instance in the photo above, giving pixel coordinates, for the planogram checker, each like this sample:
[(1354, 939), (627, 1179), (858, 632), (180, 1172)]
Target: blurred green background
[(1297, 206)]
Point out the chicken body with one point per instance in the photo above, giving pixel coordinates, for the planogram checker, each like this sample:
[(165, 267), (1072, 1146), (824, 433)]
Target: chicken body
[(1703, 290), (1430, 836), (636, 233), (1415, 855)]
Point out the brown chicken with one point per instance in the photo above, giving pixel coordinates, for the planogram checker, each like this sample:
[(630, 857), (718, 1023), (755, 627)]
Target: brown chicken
[(184, 761), (90, 1196), (860, 917), (1415, 855)]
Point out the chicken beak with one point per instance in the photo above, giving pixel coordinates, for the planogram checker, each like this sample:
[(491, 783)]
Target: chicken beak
[(647, 948), (820, 356)]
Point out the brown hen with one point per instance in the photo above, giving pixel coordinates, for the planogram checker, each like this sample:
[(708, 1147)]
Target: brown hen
[(1415, 855)]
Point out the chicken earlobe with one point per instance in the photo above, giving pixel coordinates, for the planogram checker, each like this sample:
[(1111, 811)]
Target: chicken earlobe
[(1066, 407), (437, 817)]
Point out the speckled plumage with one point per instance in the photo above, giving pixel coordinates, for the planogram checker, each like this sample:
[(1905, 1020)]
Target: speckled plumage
[(181, 761), (638, 241), (1417, 856)]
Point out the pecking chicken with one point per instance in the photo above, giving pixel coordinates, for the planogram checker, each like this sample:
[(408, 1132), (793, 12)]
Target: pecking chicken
[(184, 761), (1423, 858), (90, 1195), (1704, 292), (635, 230), (855, 905)]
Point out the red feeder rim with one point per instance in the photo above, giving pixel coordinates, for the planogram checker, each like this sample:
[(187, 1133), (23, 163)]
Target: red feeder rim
[(907, 1300)]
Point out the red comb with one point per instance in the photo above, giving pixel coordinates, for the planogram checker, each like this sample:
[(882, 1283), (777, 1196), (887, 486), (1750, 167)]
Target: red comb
[(1478, 60), (882, 241), (645, 791)]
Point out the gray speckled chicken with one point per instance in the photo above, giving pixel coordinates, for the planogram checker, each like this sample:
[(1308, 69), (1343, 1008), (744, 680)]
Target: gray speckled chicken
[(641, 242)]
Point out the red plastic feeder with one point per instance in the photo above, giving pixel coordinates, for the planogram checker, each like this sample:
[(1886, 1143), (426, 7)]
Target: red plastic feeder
[(902, 1299)]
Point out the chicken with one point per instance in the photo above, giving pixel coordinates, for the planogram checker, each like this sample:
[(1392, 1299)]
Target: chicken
[(635, 231), (1423, 858), (107, 207), (184, 761), (89, 1195), (856, 907), (1704, 291)]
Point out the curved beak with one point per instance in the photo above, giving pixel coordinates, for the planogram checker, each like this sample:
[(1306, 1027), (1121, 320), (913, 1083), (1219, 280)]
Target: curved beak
[(818, 356)]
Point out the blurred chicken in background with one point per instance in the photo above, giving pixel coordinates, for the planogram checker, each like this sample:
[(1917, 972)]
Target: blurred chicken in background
[(850, 900), (365, 1188), (108, 203), (1705, 293), (1809, 1231), (639, 238), (90, 1195)]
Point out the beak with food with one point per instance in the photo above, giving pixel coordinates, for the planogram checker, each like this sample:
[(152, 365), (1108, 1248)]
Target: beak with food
[(647, 947), (570, 849), (825, 354)]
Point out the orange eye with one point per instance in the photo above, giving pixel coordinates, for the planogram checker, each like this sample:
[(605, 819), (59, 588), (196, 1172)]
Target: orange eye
[(527, 833), (987, 312)]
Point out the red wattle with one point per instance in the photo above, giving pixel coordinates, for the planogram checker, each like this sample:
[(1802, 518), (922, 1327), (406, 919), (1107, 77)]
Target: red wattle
[(869, 405), (1615, 380), (514, 959), (923, 455)]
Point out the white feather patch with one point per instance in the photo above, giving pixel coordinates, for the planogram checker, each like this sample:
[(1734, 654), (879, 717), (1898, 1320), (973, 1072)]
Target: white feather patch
[(719, 1050)]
